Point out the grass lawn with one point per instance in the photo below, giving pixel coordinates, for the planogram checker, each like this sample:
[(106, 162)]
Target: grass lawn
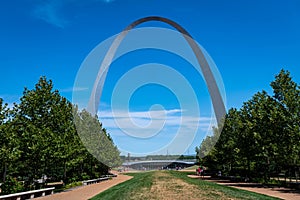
[(173, 185), (194, 167)]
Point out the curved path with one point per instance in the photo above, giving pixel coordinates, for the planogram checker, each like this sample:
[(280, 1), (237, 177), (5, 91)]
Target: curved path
[(282, 193), (86, 192)]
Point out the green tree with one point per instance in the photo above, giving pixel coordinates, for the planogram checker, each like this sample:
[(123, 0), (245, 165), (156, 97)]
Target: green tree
[(38, 137), (9, 142), (287, 93), (227, 146), (96, 139), (46, 133), (263, 136), (267, 122)]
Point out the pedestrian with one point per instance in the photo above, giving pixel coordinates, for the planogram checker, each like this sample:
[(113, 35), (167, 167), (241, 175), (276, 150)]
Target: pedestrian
[(199, 171)]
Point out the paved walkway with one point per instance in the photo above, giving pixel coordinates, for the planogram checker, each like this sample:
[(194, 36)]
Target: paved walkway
[(86, 192), (282, 193)]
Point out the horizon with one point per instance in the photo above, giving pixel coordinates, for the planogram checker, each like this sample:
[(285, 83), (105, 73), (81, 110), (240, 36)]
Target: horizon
[(52, 39)]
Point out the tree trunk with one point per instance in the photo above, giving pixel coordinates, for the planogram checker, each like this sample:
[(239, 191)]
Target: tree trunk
[(267, 172), (296, 175), (248, 167), (4, 172), (91, 167), (65, 172)]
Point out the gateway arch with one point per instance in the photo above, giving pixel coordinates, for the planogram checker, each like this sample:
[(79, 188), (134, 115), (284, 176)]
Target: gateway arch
[(214, 91)]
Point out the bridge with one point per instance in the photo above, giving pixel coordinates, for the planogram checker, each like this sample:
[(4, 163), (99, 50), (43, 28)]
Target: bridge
[(159, 164)]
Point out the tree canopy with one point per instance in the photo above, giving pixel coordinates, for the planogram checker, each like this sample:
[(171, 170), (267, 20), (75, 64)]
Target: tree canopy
[(262, 137), (38, 138)]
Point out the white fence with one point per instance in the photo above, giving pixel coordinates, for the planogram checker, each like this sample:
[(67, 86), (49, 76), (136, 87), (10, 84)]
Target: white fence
[(88, 182)]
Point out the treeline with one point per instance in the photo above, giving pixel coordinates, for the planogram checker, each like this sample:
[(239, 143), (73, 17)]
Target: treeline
[(262, 138), (158, 157), (38, 138)]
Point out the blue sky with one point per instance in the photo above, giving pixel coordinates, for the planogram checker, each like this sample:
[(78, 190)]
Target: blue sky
[(250, 41)]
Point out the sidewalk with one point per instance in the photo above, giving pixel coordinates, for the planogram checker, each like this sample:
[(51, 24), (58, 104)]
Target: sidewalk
[(282, 193), (86, 192)]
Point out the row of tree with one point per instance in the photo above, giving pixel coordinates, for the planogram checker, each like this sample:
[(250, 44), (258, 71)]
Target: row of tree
[(38, 138), (262, 138), (157, 157)]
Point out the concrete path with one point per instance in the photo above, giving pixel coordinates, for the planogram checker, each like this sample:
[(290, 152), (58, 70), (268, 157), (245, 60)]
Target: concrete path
[(87, 192), (282, 193)]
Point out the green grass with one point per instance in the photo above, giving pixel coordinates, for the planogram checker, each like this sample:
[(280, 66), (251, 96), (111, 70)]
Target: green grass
[(125, 189), (142, 182), (228, 191), (194, 167)]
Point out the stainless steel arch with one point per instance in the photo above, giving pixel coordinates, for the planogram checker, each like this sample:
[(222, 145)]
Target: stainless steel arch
[(217, 101)]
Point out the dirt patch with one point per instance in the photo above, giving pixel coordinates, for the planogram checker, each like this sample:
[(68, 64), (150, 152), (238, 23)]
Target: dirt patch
[(166, 187)]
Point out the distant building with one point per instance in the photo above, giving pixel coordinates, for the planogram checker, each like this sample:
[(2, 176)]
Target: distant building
[(158, 164)]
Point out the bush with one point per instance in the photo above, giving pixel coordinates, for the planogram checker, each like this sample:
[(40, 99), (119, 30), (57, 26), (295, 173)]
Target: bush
[(71, 185), (85, 176), (11, 185)]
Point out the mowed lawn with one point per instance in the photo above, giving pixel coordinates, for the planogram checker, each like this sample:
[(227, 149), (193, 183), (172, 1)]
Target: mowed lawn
[(173, 185)]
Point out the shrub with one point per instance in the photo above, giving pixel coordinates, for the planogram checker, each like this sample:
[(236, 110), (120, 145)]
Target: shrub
[(11, 185)]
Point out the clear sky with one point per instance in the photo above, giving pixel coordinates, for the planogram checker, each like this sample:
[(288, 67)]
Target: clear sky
[(249, 41)]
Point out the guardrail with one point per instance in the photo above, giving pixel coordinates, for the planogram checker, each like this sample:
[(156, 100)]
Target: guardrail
[(28, 194), (111, 175), (103, 178), (88, 182)]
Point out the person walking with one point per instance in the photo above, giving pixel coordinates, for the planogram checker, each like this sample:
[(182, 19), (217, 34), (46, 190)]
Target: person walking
[(199, 171)]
